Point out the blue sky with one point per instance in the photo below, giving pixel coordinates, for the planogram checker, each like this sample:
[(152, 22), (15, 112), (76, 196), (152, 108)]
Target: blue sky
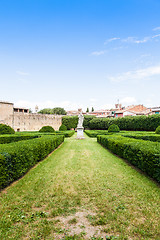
[(80, 53)]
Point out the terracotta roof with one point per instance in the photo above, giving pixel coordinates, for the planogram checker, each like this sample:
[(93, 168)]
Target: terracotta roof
[(137, 108)]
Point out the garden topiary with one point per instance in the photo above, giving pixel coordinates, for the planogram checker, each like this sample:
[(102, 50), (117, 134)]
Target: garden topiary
[(47, 129), (63, 128), (157, 130), (5, 129), (113, 128)]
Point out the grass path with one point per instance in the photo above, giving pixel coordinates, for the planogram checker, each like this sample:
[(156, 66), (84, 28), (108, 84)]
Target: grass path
[(82, 190)]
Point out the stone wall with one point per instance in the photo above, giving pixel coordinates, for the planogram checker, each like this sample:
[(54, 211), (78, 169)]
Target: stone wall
[(6, 110), (34, 121), (21, 121)]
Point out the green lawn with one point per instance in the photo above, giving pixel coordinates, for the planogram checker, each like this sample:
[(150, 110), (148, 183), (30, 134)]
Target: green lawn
[(81, 191)]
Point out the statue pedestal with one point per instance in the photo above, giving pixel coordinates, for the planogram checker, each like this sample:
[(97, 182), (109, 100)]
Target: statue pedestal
[(80, 133)]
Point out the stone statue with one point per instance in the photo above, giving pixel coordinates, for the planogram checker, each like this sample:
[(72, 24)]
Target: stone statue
[(80, 126), (80, 120)]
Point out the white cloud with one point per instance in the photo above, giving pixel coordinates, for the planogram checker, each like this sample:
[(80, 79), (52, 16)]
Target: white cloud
[(111, 40), (156, 29), (135, 40), (155, 36), (137, 74), (97, 53), (22, 73)]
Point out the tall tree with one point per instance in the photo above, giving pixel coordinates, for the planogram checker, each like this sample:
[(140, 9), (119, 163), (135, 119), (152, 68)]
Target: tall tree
[(92, 109), (87, 109)]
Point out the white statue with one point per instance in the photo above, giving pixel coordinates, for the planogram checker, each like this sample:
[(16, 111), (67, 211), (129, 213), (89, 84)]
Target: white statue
[(80, 120)]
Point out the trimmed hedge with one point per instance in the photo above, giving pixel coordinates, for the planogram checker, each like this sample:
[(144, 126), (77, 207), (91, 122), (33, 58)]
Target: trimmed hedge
[(143, 154), (95, 133), (70, 121), (87, 119), (47, 129), (68, 133), (62, 128), (151, 137), (113, 128), (132, 123), (157, 130), (17, 158), (15, 138), (5, 129)]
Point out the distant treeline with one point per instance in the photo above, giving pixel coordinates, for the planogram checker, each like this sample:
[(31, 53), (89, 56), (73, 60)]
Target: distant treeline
[(57, 110)]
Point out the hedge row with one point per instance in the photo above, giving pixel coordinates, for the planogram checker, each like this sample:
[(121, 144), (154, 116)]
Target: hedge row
[(67, 133), (151, 137), (15, 138), (132, 123), (70, 121), (87, 119), (17, 158), (143, 154), (95, 133)]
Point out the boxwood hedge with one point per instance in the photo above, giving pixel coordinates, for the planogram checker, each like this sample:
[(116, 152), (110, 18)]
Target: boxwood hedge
[(17, 158), (70, 121), (143, 154), (132, 123), (5, 129), (95, 133), (15, 138), (148, 137)]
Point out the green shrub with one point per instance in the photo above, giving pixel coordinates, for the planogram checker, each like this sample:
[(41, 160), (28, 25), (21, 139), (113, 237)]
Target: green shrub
[(17, 158), (5, 129), (95, 133), (62, 128), (47, 129), (131, 123), (87, 119), (70, 121), (143, 154), (157, 130), (15, 138), (147, 137), (68, 133), (113, 128)]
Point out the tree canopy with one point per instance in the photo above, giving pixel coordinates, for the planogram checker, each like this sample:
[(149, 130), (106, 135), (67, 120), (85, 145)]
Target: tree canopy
[(56, 110)]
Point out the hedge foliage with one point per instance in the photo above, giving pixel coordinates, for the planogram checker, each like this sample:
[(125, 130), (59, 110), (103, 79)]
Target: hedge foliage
[(87, 119), (68, 133), (17, 158), (113, 128), (47, 129), (148, 137), (15, 138), (62, 128), (70, 121), (132, 123), (5, 129), (158, 130), (95, 133), (143, 154)]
